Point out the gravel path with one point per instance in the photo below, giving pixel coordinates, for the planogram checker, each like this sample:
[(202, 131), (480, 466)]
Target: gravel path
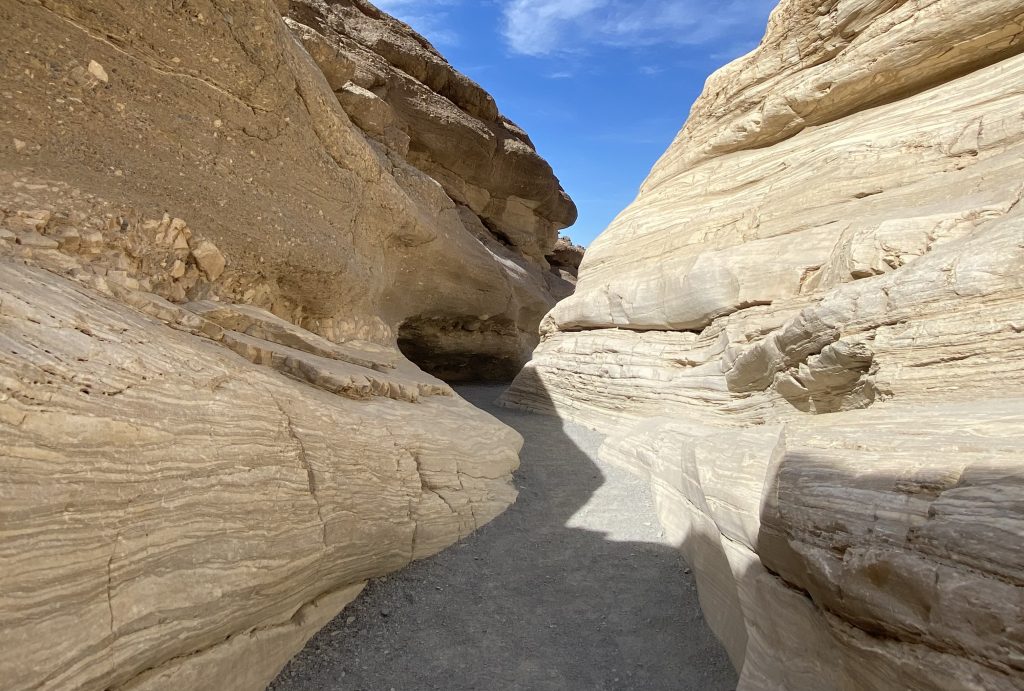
[(573, 588)]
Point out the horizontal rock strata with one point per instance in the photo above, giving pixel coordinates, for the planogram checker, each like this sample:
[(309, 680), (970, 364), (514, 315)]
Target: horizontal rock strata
[(168, 499), (807, 330), (260, 132), (209, 255), (418, 112)]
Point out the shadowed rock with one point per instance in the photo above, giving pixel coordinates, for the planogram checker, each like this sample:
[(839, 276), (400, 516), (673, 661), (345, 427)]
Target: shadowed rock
[(806, 331)]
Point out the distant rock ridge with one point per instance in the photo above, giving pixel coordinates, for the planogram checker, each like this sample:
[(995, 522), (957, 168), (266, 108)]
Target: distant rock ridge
[(565, 260), (807, 331)]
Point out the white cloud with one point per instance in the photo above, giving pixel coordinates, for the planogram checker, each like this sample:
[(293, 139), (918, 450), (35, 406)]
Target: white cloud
[(543, 27), (428, 17), (651, 70)]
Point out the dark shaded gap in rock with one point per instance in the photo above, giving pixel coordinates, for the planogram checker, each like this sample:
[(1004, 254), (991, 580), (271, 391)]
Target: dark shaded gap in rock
[(462, 349)]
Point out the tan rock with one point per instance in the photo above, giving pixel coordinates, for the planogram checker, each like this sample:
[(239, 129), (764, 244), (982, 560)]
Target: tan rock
[(91, 241), (36, 241), (366, 109), (255, 656), (97, 72), (176, 514), (237, 508), (564, 263), (121, 278), (209, 259), (177, 235), (68, 238), (806, 331), (176, 292), (37, 219), (566, 256), (376, 204), (459, 153), (265, 326), (337, 377)]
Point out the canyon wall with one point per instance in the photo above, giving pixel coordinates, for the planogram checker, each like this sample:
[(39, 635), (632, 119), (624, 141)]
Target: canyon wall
[(808, 331), (355, 182), (500, 196), (217, 225)]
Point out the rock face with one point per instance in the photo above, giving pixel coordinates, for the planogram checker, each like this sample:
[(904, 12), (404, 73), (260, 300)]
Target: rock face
[(352, 181), (210, 249), (565, 262), (808, 330), (174, 511), (415, 109)]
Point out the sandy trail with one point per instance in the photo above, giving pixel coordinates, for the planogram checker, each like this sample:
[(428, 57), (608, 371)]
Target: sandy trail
[(573, 588)]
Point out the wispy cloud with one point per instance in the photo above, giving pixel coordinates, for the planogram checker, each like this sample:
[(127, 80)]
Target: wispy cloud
[(545, 27), (428, 17), (565, 27)]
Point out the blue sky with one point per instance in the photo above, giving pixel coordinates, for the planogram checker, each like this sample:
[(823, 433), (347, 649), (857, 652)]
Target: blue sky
[(601, 86)]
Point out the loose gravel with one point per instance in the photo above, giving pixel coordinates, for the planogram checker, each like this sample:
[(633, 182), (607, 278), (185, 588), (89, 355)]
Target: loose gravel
[(573, 588)]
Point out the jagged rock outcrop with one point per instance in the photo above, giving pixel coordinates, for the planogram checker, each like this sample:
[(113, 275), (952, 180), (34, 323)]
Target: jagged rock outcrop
[(565, 260), (417, 110), (442, 215), (807, 330), (209, 439)]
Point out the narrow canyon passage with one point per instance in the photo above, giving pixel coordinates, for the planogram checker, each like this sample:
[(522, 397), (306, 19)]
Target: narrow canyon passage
[(573, 587)]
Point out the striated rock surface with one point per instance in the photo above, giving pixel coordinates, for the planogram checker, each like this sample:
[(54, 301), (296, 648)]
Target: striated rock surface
[(808, 330), (417, 111), (210, 252), (171, 506), (344, 176), (565, 262)]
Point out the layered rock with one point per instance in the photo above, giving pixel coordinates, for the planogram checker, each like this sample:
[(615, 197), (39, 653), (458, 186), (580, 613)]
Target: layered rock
[(565, 260), (439, 210), (210, 439), (807, 330), (417, 110), (172, 510)]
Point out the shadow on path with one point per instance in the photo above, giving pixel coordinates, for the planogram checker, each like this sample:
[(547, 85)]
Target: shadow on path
[(572, 588)]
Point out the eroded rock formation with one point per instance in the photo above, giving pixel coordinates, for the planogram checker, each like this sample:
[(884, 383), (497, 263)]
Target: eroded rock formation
[(417, 111), (209, 251), (175, 515), (565, 260), (371, 184), (808, 330)]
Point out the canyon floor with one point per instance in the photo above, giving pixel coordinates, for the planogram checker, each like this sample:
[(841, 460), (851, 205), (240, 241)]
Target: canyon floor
[(574, 587)]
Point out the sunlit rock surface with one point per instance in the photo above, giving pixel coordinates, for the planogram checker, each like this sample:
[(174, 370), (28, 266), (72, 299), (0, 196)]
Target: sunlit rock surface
[(807, 330), (495, 193), (209, 255)]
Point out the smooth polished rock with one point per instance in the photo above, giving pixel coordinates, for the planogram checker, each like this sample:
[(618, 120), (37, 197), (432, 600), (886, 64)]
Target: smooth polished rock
[(808, 331), (172, 510), (209, 438)]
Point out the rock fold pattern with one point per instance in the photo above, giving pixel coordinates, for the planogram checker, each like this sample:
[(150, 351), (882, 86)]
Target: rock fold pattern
[(808, 331), (219, 220)]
